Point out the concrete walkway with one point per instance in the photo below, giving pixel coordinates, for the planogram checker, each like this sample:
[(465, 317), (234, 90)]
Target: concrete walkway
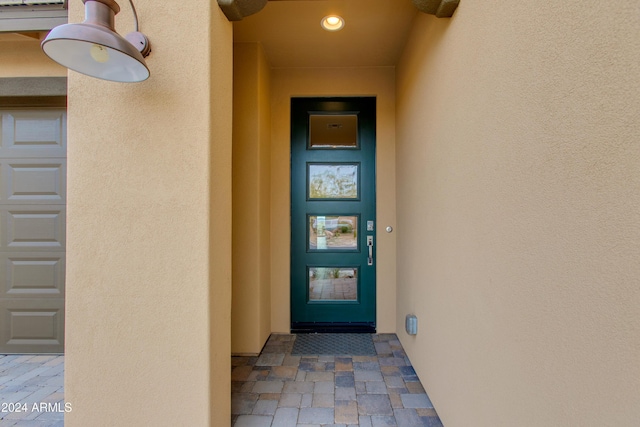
[(277, 389), (32, 390)]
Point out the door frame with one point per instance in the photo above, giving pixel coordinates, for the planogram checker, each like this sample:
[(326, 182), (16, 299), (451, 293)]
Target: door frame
[(366, 129)]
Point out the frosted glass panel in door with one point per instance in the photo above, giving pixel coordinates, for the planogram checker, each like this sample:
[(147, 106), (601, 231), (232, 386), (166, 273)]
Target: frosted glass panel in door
[(333, 181)]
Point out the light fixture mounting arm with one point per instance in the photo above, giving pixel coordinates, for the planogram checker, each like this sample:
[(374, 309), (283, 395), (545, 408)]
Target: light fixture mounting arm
[(96, 14), (136, 38), (140, 42)]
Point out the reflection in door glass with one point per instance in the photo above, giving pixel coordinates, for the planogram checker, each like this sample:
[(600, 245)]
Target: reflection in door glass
[(333, 284), (333, 181), (333, 232), (333, 131)]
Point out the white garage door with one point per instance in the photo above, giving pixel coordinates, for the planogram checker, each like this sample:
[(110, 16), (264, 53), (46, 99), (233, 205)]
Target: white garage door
[(32, 230)]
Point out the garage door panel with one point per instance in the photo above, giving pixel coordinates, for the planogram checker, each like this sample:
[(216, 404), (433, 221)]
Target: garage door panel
[(33, 181), (33, 133), (33, 171), (32, 275), (34, 227), (32, 326)]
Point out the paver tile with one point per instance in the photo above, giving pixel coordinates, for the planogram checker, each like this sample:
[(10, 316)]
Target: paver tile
[(365, 421), (396, 401), (307, 400), (258, 375), (239, 361), (322, 400), (286, 417), (346, 411), (265, 407), (290, 360), (269, 396), (253, 421), (290, 400), (367, 375), (38, 423), (416, 401), (376, 387), (241, 386), (241, 373), (345, 381), (407, 418), (374, 404), (414, 387), (392, 361), (343, 364), (390, 371), (298, 387), (426, 412), (345, 393), (270, 359), (283, 373), (394, 382), (407, 371), (316, 415), (382, 421), (268, 387), (383, 348), (431, 421), (364, 358), (366, 366), (399, 353), (324, 387), (243, 403), (319, 376)]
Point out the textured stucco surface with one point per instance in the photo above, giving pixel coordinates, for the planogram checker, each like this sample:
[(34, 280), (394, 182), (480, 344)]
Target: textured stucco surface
[(290, 82), (149, 235), (251, 309), (518, 159)]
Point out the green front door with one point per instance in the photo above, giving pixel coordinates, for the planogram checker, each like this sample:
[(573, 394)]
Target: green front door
[(333, 206)]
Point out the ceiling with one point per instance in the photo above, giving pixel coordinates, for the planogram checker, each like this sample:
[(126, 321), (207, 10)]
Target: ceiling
[(22, 37), (374, 34)]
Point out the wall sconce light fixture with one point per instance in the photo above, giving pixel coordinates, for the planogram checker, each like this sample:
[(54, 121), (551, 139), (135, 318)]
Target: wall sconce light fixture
[(94, 48)]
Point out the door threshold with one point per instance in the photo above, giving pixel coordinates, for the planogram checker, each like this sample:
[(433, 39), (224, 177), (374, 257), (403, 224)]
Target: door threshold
[(319, 327)]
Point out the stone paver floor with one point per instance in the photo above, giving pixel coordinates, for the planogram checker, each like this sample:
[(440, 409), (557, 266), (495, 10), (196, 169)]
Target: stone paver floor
[(277, 389), (32, 390)]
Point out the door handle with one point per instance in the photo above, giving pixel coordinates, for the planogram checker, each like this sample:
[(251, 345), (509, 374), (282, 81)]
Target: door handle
[(370, 245)]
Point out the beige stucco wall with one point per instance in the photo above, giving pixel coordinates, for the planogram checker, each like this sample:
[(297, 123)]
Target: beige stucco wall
[(25, 59), (519, 212), (287, 83), (251, 309), (149, 229)]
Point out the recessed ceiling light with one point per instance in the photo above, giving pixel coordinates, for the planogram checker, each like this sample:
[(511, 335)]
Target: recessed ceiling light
[(332, 23)]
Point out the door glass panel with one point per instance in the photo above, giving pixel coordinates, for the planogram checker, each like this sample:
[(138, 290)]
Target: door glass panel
[(333, 181), (333, 232), (333, 131), (333, 284)]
